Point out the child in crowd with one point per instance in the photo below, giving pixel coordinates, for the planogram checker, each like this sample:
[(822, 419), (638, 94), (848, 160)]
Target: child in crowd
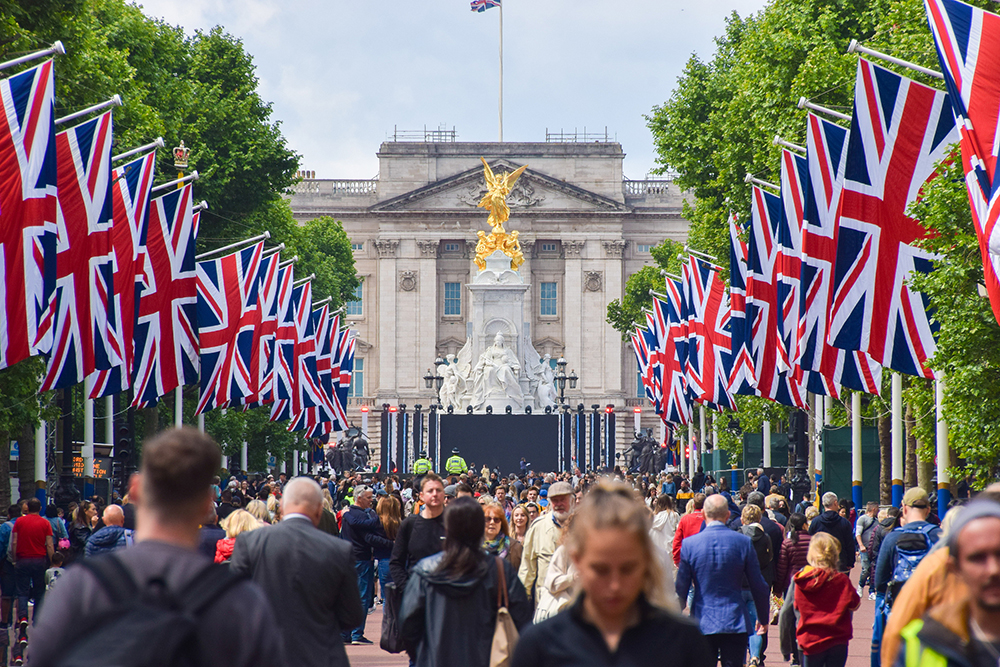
[(53, 573)]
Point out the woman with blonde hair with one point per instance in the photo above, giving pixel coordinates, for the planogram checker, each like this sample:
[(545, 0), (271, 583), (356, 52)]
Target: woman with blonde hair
[(259, 510), (621, 614), (826, 600), (519, 523), (239, 521)]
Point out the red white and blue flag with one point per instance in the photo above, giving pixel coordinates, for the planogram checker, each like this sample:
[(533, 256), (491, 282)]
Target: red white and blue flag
[(709, 354), (968, 44), (675, 405), (286, 336), (316, 419), (130, 193), (345, 367), (227, 304), (826, 151), (742, 379), (84, 331), (794, 182), (899, 131), (265, 326), (166, 334), (482, 5), (27, 213), (762, 309)]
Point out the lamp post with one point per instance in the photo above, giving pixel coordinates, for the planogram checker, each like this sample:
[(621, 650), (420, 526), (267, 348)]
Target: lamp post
[(562, 378), (435, 380)]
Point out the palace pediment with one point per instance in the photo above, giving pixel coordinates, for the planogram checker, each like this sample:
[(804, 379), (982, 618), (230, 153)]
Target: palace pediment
[(533, 192)]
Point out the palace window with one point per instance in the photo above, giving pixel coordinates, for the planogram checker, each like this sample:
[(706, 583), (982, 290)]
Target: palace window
[(640, 390), (357, 388), (357, 247), (356, 305), (453, 298), (548, 299), (451, 247), (644, 247), (549, 247)]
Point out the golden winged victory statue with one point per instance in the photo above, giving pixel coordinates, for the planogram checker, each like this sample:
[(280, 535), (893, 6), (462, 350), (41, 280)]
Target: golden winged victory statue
[(498, 187)]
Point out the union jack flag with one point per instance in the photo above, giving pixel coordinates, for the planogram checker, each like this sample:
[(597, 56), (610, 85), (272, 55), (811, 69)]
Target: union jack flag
[(742, 379), (265, 325), (482, 5), (826, 150), (794, 182), (227, 299), (130, 190), (642, 362), (899, 131), (968, 44), (166, 334), (83, 329), (316, 418), (675, 407), (347, 345), (27, 213), (285, 338), (762, 311), (339, 405), (709, 340)]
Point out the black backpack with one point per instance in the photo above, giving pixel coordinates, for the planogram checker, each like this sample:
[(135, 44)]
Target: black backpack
[(147, 626)]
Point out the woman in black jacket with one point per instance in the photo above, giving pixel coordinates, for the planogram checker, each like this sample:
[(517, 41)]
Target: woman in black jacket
[(450, 605), (81, 528)]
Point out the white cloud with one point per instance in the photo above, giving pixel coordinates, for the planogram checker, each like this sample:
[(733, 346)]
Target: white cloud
[(342, 73)]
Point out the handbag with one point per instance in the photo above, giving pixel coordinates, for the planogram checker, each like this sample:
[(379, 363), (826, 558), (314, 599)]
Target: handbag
[(392, 639), (505, 633)]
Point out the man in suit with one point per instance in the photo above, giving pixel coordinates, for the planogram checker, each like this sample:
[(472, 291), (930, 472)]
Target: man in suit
[(308, 576), (716, 560)]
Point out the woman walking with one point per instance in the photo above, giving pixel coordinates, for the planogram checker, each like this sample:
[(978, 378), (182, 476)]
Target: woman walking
[(450, 605), (794, 549), (497, 540), (620, 615), (390, 515), (519, 519)]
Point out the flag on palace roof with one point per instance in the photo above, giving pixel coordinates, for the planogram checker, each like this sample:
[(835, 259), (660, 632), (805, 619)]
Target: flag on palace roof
[(482, 5), (84, 331), (900, 130), (968, 44), (27, 213)]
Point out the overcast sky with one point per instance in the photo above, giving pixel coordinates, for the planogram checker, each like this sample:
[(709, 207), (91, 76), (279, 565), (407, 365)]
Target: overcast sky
[(342, 74)]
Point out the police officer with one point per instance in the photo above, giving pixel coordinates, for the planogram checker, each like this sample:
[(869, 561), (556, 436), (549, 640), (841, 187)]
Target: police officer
[(423, 465), (455, 465)]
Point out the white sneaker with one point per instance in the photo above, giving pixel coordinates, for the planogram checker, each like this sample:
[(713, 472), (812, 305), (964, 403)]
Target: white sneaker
[(861, 592), (871, 596)]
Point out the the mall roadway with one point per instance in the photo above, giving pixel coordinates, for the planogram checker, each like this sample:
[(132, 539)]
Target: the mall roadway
[(859, 653)]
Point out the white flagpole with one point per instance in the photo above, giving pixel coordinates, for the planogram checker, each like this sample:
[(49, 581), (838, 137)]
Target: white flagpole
[(56, 49), (501, 72)]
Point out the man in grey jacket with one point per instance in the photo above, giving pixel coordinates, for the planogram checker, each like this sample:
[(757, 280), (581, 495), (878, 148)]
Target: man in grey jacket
[(307, 575)]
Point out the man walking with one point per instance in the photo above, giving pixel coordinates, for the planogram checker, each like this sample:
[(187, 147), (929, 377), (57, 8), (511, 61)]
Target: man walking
[(31, 546), (690, 524), (358, 524), (542, 538), (172, 492), (307, 576), (831, 522), (867, 523), (112, 535), (716, 561)]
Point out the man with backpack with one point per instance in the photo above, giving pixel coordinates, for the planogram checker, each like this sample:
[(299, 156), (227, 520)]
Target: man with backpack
[(159, 602)]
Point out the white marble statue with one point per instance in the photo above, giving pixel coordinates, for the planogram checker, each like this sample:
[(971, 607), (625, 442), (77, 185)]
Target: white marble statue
[(495, 375), (449, 387), (545, 391)]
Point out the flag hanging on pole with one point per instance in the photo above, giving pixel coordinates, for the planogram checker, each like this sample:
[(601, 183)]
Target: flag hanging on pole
[(794, 182), (709, 339), (166, 334), (227, 301), (285, 338), (130, 192), (968, 45), (899, 131), (762, 310), (741, 378), (265, 326), (27, 213), (482, 5), (826, 151), (84, 331), (676, 407)]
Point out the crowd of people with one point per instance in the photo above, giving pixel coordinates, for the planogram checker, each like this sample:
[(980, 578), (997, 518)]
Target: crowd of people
[(587, 568)]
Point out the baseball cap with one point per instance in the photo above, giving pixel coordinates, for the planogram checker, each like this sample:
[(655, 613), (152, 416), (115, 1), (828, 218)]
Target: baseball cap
[(559, 489), (916, 497)]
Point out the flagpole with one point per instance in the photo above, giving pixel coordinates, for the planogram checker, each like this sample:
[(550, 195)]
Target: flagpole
[(501, 72)]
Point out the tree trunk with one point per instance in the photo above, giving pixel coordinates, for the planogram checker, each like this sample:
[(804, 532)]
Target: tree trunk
[(925, 475), (910, 471), (5, 499), (151, 417), (26, 463), (885, 458)]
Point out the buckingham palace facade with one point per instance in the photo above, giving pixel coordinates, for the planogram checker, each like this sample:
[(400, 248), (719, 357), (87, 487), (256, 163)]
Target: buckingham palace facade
[(583, 227)]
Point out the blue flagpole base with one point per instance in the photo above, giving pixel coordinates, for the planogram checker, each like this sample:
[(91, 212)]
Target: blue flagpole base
[(856, 494), (943, 498), (897, 493)]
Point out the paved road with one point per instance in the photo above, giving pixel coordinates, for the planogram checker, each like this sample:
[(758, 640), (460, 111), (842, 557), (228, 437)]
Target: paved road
[(859, 651)]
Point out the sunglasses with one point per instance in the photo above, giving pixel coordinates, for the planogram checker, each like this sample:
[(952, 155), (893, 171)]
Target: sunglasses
[(492, 519)]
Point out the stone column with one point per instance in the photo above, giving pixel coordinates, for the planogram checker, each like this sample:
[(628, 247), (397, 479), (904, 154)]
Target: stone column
[(613, 288), (381, 299), (572, 302), (427, 320)]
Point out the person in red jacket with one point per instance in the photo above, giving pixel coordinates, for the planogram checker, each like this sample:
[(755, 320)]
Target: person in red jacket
[(826, 600), (690, 524)]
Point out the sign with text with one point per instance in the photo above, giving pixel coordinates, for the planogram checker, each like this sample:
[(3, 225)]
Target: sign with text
[(102, 467)]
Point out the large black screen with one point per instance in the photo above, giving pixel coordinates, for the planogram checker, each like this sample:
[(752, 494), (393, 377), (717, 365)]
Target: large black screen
[(501, 440)]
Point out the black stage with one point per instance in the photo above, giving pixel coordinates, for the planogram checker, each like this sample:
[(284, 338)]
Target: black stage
[(501, 440)]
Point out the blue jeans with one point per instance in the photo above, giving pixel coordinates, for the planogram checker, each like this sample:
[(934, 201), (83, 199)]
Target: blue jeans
[(756, 641), (384, 578), (365, 581), (29, 575)]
